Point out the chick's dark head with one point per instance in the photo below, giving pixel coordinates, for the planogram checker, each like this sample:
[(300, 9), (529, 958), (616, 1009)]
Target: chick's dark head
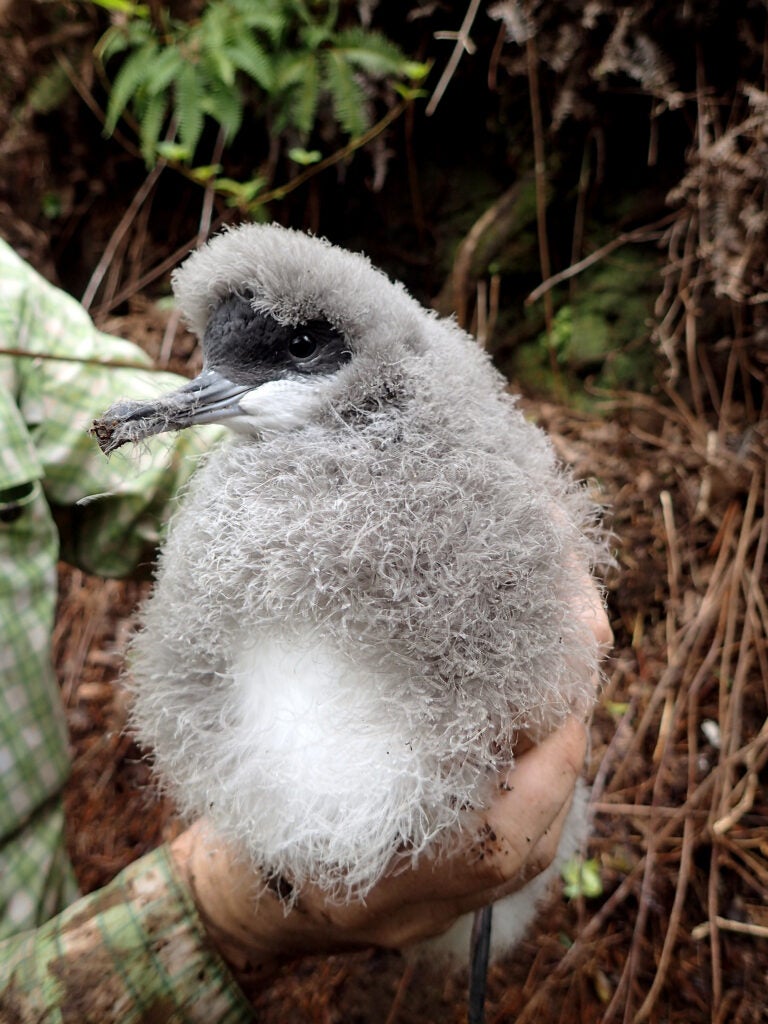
[(278, 314)]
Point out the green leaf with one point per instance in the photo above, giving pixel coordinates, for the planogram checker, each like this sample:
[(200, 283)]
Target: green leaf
[(305, 157), (228, 186), (582, 878), (164, 70), (314, 37), (416, 70), (51, 205), (616, 709), (124, 7), (129, 79), (114, 41), (213, 28), (290, 68), (204, 172), (49, 90), (119, 38), (241, 191), (305, 96), (268, 17), (408, 92), (225, 105), (173, 151), (258, 211), (224, 67), (371, 52)]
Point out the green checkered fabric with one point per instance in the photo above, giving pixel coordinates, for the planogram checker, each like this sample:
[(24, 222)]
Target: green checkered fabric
[(47, 463), (37, 861), (133, 952)]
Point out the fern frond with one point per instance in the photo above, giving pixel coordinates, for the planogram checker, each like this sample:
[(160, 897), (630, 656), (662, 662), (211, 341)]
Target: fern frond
[(49, 90), (163, 71), (114, 41), (128, 81), (272, 17), (347, 96), (151, 126), (315, 37), (218, 67), (247, 55), (225, 106), (119, 38), (288, 70), (371, 52), (219, 27), (306, 95), (291, 49), (188, 107)]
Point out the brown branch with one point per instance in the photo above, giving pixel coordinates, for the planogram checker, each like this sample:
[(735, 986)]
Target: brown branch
[(644, 234), (463, 44), (152, 275), (461, 273), (335, 158), (117, 364), (673, 926), (86, 96), (541, 181), (119, 234), (701, 931), (203, 232)]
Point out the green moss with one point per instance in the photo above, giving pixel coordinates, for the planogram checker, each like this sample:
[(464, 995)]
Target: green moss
[(600, 338)]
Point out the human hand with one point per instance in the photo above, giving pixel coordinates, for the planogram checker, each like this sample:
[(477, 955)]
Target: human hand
[(518, 836)]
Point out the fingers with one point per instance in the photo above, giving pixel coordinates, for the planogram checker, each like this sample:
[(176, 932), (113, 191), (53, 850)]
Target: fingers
[(527, 815), (518, 840), (595, 616), (541, 856), (517, 837)]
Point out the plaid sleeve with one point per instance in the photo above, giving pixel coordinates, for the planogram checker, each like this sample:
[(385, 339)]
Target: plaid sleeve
[(60, 388), (47, 463), (132, 952)]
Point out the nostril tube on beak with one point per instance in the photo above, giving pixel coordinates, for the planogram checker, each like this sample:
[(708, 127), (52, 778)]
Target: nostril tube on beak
[(209, 398)]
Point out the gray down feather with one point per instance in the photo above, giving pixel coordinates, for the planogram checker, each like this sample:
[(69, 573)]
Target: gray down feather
[(414, 546)]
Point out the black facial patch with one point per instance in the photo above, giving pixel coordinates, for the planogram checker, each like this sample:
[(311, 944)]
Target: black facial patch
[(248, 347)]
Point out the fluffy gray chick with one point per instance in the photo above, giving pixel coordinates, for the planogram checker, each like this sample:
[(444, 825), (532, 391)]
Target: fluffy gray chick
[(371, 591)]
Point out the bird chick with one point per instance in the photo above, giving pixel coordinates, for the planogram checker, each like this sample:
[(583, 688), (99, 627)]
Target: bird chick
[(371, 591)]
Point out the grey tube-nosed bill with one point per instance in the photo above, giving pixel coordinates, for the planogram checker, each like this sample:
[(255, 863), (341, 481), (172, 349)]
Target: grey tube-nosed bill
[(208, 398)]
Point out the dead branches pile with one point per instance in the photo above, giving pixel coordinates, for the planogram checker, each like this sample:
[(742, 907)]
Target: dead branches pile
[(679, 785), (681, 813)]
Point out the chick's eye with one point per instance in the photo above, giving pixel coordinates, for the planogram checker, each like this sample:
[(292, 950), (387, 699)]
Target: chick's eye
[(302, 346)]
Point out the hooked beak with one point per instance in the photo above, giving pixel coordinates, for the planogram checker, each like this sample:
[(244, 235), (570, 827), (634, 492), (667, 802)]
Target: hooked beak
[(209, 398)]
